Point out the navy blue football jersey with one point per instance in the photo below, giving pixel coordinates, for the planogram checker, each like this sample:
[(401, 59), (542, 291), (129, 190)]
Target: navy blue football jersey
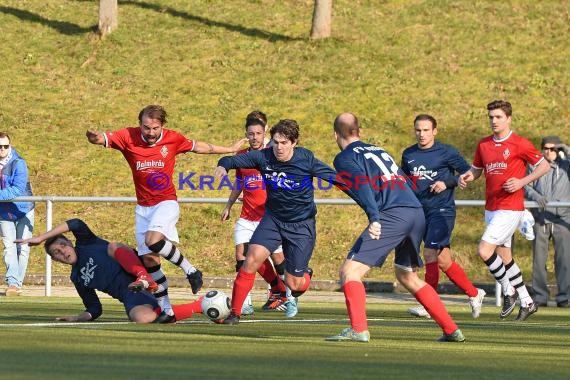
[(95, 269), (289, 185), (441, 162), (375, 181)]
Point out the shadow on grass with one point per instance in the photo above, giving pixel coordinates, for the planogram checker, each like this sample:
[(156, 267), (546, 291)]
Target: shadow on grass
[(251, 32), (63, 27)]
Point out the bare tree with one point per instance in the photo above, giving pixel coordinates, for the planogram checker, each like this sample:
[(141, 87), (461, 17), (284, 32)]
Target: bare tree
[(322, 16), (108, 16)]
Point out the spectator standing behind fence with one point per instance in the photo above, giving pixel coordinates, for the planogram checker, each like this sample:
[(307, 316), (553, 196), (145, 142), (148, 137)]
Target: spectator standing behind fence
[(551, 222), (16, 218), (151, 152), (503, 158)]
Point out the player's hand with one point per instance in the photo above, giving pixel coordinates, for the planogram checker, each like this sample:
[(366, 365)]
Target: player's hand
[(68, 318), (464, 178), (374, 230), (437, 187), (94, 137), (225, 213), (542, 201), (512, 184), (31, 241), (238, 144), (220, 171)]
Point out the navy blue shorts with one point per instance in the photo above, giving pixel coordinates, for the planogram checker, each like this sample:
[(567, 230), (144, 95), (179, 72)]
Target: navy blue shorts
[(133, 299), (297, 240), (439, 226), (402, 231)]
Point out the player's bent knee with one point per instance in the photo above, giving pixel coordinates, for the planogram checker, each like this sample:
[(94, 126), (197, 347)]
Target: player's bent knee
[(151, 261), (156, 247), (142, 314)]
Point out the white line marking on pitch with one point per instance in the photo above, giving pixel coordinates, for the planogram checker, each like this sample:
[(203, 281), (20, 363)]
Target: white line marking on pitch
[(184, 322)]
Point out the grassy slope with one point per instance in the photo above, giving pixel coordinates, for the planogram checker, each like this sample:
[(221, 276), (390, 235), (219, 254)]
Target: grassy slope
[(211, 62)]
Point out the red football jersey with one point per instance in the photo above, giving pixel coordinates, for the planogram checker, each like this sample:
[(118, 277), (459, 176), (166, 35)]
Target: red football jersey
[(253, 192), (501, 160), (152, 166)]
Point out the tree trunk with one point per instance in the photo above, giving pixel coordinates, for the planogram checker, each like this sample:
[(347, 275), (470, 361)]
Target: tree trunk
[(108, 16), (322, 16)]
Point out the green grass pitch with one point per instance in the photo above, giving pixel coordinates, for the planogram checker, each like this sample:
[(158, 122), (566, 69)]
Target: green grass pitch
[(267, 344)]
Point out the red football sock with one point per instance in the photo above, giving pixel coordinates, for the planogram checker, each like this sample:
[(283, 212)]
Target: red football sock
[(355, 298), (432, 274), (186, 310), (129, 261), (242, 285), (431, 301), (306, 284), (457, 275), (268, 273)]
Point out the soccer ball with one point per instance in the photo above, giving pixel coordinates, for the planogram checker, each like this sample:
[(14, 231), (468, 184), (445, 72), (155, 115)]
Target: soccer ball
[(216, 305)]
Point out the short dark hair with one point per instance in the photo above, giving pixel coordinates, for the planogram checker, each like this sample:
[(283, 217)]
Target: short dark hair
[(550, 140), (425, 116), (501, 104), (53, 239), (255, 118), (154, 112), (346, 125), (288, 128), (4, 135)]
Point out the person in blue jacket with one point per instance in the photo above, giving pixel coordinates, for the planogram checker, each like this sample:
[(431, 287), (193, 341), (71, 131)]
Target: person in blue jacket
[(16, 218)]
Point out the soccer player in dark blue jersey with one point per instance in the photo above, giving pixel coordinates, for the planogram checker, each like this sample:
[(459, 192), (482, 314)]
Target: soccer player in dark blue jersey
[(435, 167), (288, 171), (396, 222), (111, 268)]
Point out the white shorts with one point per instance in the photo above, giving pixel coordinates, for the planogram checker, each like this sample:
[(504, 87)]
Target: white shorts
[(243, 232), (500, 226), (161, 217)]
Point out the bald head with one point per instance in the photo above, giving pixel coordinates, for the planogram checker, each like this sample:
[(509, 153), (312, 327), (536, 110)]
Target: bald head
[(346, 126)]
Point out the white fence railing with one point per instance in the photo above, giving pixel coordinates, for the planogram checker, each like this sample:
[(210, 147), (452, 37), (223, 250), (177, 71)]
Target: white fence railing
[(50, 200)]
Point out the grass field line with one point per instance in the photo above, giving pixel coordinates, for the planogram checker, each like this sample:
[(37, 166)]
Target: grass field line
[(562, 327), (186, 322)]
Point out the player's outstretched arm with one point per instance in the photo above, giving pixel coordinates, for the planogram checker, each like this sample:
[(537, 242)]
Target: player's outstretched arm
[(95, 137), (201, 147), (60, 229)]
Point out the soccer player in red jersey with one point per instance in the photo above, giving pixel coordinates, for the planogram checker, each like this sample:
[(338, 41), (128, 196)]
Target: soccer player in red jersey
[(504, 157), (249, 184), (151, 150)]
